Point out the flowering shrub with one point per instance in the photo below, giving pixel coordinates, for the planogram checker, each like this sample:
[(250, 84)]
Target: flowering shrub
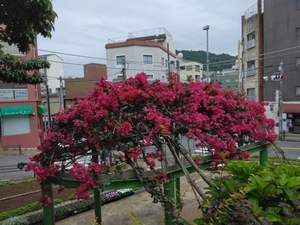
[(131, 115)]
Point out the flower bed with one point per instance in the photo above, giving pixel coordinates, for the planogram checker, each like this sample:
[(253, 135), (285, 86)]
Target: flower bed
[(70, 208)]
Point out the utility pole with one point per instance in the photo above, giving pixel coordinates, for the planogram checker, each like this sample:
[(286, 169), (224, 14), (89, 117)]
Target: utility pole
[(61, 93), (169, 69), (280, 103), (123, 69), (47, 93), (260, 61)]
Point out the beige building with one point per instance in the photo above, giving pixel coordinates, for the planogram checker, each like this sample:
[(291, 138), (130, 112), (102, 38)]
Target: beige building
[(190, 70)]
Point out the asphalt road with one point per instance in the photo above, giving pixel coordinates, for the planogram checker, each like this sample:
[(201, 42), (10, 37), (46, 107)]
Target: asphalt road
[(9, 163)]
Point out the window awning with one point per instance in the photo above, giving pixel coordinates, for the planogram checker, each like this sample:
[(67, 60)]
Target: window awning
[(16, 110), (291, 108), (41, 109)]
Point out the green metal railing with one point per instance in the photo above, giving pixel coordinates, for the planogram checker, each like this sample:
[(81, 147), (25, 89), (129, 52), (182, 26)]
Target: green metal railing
[(172, 189)]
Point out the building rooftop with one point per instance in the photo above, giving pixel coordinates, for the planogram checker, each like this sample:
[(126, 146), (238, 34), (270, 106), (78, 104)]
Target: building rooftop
[(144, 35)]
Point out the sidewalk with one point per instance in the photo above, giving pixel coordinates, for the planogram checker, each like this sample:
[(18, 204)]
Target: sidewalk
[(17, 152), (292, 137), (141, 205)]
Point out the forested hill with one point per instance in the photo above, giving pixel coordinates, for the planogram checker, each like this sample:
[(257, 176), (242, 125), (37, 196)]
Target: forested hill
[(217, 62)]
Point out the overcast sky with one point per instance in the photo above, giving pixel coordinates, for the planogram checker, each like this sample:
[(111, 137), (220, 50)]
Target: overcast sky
[(83, 27)]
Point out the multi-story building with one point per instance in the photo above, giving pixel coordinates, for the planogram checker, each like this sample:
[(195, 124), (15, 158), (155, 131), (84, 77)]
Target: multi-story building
[(81, 86), (149, 51), (270, 48), (249, 54), (227, 78), (281, 45), (190, 70), (21, 110)]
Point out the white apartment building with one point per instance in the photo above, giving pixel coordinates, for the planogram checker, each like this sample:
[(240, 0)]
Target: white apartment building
[(149, 51), (53, 75)]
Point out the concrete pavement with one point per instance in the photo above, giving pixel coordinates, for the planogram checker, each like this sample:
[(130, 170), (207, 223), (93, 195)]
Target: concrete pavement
[(140, 205)]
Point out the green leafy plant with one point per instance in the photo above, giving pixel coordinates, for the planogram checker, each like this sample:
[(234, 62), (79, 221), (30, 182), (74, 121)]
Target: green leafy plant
[(25, 209), (252, 194)]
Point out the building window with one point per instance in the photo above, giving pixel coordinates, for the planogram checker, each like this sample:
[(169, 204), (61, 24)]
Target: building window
[(11, 49), (251, 36), (147, 59), (120, 59), (250, 68), (149, 76), (197, 68), (251, 94), (162, 61), (182, 67), (297, 91), (166, 63), (189, 68), (13, 125), (250, 40)]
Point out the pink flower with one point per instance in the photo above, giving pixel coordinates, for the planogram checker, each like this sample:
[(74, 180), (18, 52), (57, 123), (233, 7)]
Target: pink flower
[(213, 164), (197, 161)]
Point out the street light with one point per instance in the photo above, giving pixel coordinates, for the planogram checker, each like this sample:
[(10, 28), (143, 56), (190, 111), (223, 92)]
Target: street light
[(179, 56), (207, 56), (280, 105)]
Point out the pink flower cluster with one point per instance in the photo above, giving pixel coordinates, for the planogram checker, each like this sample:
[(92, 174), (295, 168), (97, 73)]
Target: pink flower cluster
[(79, 172), (151, 157), (45, 200), (124, 116), (159, 178)]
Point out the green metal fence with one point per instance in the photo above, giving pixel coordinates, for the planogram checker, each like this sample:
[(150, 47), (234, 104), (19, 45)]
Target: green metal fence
[(129, 181)]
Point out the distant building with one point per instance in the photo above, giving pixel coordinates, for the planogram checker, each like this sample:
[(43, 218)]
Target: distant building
[(149, 51), (229, 79), (21, 110), (190, 70), (81, 86), (249, 49)]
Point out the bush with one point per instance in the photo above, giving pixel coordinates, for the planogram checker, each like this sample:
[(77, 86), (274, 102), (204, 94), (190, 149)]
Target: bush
[(18, 220), (23, 210), (252, 194)]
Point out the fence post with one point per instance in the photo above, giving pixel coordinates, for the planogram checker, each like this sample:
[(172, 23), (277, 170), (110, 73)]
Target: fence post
[(48, 210), (263, 156), (20, 150), (170, 193)]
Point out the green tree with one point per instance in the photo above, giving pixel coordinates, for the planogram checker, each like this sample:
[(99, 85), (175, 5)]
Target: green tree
[(21, 22)]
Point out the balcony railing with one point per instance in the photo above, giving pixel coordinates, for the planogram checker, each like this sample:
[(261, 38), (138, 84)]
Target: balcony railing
[(250, 71), (251, 44)]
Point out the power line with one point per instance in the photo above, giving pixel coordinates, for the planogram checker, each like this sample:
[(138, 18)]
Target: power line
[(159, 63)]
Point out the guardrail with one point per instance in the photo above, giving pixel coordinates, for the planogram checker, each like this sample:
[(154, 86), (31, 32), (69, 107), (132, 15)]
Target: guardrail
[(12, 168)]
